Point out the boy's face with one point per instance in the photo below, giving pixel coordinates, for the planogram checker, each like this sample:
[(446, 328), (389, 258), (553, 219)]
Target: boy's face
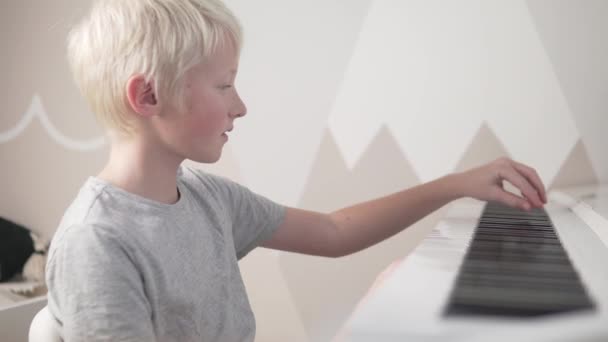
[(211, 106)]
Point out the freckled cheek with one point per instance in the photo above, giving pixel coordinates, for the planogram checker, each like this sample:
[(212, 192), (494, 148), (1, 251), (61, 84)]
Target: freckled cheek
[(206, 125), (198, 127), (206, 118)]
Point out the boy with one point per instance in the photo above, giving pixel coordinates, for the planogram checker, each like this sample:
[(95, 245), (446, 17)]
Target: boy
[(148, 250)]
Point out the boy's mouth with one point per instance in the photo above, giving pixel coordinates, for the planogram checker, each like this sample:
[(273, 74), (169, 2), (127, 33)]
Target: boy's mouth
[(225, 134)]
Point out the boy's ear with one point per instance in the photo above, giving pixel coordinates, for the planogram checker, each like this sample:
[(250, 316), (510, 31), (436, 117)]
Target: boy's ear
[(142, 96)]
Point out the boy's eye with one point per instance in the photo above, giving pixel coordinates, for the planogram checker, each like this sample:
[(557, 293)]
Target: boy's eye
[(227, 86)]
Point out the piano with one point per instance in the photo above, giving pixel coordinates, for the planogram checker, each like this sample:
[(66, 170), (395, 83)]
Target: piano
[(492, 273)]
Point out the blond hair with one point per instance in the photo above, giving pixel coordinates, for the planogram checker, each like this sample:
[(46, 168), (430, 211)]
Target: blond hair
[(160, 39)]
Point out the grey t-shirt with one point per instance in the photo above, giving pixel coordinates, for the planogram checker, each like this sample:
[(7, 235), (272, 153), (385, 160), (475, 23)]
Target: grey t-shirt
[(125, 268)]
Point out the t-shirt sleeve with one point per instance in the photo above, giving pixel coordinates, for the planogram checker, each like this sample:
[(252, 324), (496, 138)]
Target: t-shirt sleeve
[(254, 217), (95, 290)]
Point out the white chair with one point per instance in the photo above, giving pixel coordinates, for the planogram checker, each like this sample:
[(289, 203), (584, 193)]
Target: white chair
[(44, 328)]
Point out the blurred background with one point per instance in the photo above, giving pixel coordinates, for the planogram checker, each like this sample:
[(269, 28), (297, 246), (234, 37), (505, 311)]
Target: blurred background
[(348, 100)]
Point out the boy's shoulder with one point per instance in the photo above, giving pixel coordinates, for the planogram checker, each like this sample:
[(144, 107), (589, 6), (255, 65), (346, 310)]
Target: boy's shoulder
[(208, 186), (195, 175), (98, 211), (101, 207), (100, 204)]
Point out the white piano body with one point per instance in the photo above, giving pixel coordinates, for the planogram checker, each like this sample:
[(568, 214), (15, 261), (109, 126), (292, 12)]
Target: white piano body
[(409, 299)]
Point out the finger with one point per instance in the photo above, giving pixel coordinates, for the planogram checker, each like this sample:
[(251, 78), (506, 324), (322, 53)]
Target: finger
[(514, 177), (533, 177), (512, 200)]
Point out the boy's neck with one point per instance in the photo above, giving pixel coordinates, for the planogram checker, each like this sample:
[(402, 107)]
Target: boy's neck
[(143, 171)]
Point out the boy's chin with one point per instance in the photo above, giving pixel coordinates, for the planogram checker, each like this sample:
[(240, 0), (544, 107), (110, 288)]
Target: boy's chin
[(206, 159)]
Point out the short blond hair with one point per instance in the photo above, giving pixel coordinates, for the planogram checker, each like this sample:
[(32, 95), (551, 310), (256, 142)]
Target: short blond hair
[(160, 39)]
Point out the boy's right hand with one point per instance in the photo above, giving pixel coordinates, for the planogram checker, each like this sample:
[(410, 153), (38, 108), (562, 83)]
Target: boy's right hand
[(486, 183)]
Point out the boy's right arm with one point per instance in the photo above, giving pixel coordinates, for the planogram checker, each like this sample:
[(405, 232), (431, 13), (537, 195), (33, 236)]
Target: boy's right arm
[(95, 290), (359, 226)]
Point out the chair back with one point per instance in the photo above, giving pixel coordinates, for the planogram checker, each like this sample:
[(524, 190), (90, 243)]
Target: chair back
[(44, 328)]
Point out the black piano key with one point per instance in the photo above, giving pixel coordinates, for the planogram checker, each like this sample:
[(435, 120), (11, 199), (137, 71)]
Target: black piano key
[(519, 268), (516, 296), (508, 280), (518, 257), (508, 223), (516, 266), (505, 239), (498, 247), (516, 232)]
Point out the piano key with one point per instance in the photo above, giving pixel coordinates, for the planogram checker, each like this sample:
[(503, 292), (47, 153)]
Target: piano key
[(503, 278), (516, 297), (516, 265), (506, 239), (518, 257)]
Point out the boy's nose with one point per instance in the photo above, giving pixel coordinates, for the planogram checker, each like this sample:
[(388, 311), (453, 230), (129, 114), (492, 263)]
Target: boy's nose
[(240, 109), (239, 113), (242, 112)]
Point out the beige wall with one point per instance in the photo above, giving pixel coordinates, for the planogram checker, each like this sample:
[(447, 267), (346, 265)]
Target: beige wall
[(348, 99)]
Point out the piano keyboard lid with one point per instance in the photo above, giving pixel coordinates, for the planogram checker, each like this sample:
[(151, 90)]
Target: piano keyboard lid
[(589, 203)]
